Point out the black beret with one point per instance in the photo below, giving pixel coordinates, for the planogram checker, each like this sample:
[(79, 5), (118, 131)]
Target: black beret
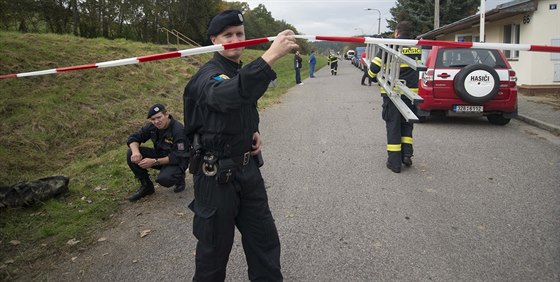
[(223, 20), (157, 108)]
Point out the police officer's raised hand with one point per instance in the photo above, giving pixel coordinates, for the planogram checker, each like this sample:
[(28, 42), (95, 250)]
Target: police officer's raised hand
[(284, 43)]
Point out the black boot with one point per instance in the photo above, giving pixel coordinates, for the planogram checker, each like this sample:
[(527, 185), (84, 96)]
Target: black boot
[(407, 161), (146, 188), (394, 161), (179, 186), (393, 169)]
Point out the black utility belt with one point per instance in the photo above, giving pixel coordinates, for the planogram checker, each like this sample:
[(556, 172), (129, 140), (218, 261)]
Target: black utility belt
[(223, 168), (242, 160)]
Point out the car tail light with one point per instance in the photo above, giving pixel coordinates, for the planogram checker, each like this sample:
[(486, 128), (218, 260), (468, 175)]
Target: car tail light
[(428, 78), (512, 79)]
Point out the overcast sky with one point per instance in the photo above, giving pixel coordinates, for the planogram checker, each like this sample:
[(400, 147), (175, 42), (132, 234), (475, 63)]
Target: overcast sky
[(334, 17)]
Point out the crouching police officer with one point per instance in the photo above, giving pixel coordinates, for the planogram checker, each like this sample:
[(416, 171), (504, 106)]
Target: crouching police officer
[(169, 155), (221, 122), (399, 131)]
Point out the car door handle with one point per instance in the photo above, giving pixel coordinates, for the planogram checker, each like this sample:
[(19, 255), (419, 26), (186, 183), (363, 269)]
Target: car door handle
[(443, 75)]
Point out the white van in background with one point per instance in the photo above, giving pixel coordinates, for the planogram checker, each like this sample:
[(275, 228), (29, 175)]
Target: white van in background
[(349, 55)]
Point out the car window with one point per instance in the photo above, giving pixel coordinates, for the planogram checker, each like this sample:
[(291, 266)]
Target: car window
[(425, 53), (458, 58)]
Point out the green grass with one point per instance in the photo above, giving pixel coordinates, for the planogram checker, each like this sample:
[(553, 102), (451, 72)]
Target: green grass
[(76, 124)]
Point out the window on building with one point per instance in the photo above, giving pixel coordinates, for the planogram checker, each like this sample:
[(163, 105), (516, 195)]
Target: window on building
[(463, 38), (511, 35)]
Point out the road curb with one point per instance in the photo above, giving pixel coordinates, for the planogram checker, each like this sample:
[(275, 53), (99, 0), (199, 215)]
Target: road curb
[(540, 124)]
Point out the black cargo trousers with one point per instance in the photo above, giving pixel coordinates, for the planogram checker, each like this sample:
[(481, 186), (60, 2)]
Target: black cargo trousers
[(218, 209), (399, 131)]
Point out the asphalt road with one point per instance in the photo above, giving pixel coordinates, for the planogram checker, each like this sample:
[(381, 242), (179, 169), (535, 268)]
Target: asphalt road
[(480, 203)]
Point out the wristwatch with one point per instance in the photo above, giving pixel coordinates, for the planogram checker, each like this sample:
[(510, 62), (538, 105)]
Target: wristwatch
[(157, 162)]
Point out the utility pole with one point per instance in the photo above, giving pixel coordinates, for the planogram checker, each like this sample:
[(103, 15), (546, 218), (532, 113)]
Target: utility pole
[(378, 20), (482, 19), (436, 14)]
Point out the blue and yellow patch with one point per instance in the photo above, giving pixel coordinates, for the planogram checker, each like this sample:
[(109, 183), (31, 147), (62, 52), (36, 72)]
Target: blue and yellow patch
[(220, 77)]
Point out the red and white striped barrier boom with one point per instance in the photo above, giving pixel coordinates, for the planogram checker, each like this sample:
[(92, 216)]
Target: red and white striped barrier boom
[(362, 40), (422, 42)]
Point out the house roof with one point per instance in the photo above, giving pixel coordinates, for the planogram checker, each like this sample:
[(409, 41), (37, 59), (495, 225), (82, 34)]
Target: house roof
[(501, 11)]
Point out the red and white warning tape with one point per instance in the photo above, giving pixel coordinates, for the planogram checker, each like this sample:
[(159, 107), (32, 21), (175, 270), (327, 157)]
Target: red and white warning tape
[(143, 59), (362, 40)]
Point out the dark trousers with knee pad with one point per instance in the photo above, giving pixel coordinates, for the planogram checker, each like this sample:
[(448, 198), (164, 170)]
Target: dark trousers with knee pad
[(399, 131), (334, 67), (168, 176), (219, 208)]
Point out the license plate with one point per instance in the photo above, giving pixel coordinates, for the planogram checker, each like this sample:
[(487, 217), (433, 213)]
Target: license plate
[(467, 109)]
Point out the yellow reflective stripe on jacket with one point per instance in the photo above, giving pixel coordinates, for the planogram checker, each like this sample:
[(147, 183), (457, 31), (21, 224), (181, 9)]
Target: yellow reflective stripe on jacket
[(383, 91), (394, 147), (406, 140), (371, 74), (376, 61)]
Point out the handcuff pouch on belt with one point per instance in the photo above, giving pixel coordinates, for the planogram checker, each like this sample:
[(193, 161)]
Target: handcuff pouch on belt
[(226, 170), (223, 169), (209, 165)]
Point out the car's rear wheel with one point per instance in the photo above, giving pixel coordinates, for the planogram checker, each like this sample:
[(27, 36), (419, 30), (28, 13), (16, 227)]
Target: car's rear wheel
[(498, 119), (477, 83)]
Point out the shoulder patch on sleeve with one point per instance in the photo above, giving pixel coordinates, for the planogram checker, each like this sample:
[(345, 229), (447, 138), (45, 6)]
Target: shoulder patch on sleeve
[(181, 146), (220, 77)]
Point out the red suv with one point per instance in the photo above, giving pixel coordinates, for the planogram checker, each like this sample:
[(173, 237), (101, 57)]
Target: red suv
[(468, 80)]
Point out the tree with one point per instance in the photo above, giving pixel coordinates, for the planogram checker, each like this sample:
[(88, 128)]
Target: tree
[(420, 13), (140, 20), (17, 15)]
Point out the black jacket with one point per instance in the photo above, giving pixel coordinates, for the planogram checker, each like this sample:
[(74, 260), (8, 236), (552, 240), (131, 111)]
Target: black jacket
[(297, 61), (220, 104), (170, 142)]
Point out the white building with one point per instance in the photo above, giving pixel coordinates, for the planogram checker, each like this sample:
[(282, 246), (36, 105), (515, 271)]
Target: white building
[(535, 22)]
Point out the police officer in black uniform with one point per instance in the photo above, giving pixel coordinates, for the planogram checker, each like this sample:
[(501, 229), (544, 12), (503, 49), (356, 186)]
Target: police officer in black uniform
[(399, 131), (169, 155), (222, 122)]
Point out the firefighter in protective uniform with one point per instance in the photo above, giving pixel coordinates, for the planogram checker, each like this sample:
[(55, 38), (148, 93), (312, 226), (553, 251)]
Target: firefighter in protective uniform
[(399, 131), (222, 125), (333, 62)]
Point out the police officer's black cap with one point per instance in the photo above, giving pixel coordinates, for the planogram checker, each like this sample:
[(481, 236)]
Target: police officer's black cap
[(223, 20), (157, 108)]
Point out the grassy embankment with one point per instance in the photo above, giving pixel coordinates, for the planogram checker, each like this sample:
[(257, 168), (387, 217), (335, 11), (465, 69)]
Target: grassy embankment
[(76, 124)]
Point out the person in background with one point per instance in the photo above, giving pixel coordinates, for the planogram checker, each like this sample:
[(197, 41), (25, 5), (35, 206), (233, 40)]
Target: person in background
[(312, 62), (333, 62), (297, 65), (169, 154), (363, 60), (222, 123)]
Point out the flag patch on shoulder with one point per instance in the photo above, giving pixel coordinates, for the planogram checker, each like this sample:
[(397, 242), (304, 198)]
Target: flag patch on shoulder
[(221, 77)]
